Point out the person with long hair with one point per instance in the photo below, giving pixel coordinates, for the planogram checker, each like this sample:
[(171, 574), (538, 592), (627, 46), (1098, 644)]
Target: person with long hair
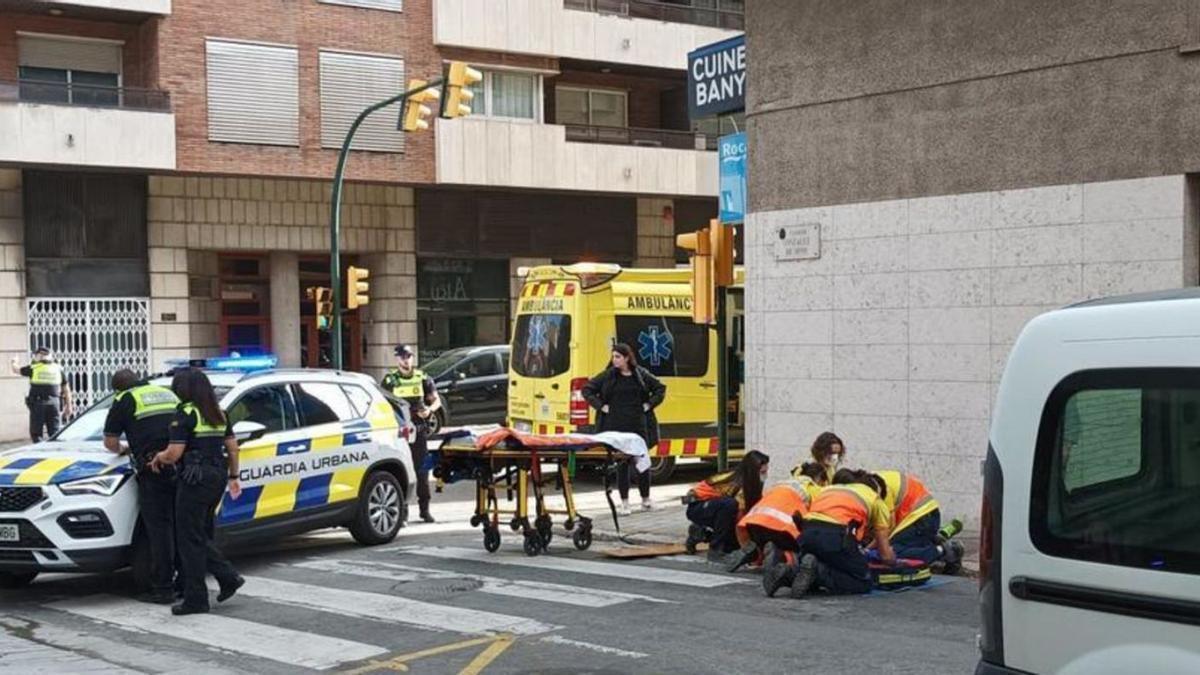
[(773, 525), (829, 451), (717, 503), (202, 443), (625, 396)]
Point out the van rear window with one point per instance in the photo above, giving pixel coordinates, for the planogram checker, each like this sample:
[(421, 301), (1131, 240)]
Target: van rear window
[(541, 345), (667, 346), (1117, 470)]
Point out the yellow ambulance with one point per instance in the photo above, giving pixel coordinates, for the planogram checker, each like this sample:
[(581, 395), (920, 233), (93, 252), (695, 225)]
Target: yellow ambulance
[(567, 319)]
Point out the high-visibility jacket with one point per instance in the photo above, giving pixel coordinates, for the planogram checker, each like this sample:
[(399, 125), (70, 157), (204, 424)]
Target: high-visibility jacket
[(203, 428), (408, 387), (851, 503), (48, 373), (908, 499), (150, 400), (720, 485), (778, 507)]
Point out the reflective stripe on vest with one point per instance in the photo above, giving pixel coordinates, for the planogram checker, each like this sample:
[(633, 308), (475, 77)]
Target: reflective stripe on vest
[(408, 387), (773, 513), (203, 429), (842, 505), (150, 400), (50, 374)]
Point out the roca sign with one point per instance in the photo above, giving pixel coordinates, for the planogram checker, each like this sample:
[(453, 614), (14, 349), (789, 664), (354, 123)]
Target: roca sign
[(717, 78)]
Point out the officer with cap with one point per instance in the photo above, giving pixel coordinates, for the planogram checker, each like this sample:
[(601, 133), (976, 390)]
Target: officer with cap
[(418, 389), (49, 393), (142, 412)]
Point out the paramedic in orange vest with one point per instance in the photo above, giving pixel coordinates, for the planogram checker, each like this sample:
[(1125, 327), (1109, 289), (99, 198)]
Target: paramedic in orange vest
[(916, 519), (843, 518), (718, 502), (775, 519)]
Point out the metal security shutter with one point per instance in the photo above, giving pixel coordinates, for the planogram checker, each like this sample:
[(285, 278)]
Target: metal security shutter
[(68, 54), (389, 5), (253, 93), (350, 83)]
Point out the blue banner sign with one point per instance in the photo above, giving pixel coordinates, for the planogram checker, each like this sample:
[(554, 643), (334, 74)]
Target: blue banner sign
[(732, 153), (717, 78)]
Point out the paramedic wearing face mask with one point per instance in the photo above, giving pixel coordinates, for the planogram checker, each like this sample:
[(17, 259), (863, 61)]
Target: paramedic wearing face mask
[(829, 451)]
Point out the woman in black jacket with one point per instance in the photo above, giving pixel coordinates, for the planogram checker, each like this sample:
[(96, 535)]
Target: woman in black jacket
[(625, 396)]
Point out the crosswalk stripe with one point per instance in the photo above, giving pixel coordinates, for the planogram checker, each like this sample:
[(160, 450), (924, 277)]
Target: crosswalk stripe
[(293, 647), (389, 608), (561, 564), (530, 590), (25, 656)]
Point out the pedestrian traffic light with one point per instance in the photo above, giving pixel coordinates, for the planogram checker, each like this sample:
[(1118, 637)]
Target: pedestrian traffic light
[(459, 78), (323, 302), (699, 247), (721, 246), (357, 288), (416, 114)]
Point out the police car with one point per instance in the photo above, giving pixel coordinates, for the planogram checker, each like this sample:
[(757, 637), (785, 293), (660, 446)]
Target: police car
[(319, 448)]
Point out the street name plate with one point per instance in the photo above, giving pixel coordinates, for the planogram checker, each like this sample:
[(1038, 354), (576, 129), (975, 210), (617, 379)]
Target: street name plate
[(798, 242)]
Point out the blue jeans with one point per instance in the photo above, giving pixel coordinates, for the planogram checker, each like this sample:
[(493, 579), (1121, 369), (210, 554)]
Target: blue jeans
[(919, 540), (720, 516)]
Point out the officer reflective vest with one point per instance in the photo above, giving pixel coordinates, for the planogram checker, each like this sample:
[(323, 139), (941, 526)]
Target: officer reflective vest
[(46, 374), (715, 487), (202, 429), (411, 387), (777, 508), (845, 505), (150, 400), (908, 498)]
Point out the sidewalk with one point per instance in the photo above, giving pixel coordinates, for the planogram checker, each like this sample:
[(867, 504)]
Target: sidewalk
[(667, 524)]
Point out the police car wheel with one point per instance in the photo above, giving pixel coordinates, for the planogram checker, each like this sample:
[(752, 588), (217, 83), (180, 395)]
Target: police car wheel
[(381, 510), (14, 580), (436, 421)]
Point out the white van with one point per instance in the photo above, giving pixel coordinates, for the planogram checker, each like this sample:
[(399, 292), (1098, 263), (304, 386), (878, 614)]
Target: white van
[(1090, 551)]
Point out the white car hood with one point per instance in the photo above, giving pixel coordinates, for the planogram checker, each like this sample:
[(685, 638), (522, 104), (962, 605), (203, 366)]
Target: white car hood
[(54, 462)]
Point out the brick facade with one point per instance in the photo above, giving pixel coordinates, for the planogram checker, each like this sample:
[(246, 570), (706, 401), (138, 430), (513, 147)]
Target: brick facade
[(139, 53), (655, 233)]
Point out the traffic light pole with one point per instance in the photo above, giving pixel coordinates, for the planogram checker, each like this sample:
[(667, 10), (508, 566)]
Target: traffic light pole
[(335, 216), (722, 382)]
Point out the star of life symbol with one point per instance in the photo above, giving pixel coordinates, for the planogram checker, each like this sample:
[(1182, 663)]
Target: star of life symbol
[(654, 346), (539, 339)]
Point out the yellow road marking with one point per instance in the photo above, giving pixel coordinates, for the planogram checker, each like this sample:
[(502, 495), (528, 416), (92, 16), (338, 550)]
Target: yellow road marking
[(485, 658), (398, 662)]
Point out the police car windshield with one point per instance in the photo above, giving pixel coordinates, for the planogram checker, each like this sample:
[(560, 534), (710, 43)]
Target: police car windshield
[(90, 425)]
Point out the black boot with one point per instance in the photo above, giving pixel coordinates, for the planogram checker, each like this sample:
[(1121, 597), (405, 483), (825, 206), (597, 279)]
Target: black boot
[(228, 590), (183, 610), (805, 576)]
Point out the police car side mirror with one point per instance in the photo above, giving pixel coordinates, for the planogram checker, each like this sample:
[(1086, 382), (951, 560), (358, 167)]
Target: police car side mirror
[(247, 430)]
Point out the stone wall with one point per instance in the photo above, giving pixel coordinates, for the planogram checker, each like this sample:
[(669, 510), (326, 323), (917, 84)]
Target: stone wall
[(13, 333), (655, 234), (896, 337)]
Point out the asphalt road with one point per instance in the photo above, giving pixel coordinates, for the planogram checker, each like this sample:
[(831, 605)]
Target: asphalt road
[(434, 602)]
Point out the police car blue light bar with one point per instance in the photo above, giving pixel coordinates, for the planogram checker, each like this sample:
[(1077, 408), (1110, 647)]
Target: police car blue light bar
[(234, 361)]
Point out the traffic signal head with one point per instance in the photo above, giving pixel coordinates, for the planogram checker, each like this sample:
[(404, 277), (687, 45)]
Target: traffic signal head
[(459, 78), (699, 246), (357, 288), (323, 303), (721, 248), (416, 113)]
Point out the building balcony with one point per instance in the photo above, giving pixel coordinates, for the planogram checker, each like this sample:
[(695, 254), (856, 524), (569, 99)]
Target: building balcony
[(552, 28), (716, 17), (54, 123), (156, 7), (517, 154)]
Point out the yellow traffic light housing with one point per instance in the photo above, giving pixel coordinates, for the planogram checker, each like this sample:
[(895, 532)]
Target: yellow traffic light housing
[(357, 288), (721, 247), (323, 303), (459, 78), (699, 245), (416, 114)]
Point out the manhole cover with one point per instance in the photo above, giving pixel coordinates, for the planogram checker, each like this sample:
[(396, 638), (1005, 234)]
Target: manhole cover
[(436, 588)]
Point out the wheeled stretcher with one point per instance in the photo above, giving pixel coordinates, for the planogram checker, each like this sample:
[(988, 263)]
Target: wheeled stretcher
[(505, 460)]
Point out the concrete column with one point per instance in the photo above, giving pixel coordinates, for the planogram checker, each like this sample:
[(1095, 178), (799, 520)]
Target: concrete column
[(285, 307)]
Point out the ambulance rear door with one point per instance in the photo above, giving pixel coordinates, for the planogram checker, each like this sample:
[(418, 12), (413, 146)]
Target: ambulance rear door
[(544, 346)]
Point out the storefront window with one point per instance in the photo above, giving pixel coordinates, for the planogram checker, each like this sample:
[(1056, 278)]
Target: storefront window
[(461, 303)]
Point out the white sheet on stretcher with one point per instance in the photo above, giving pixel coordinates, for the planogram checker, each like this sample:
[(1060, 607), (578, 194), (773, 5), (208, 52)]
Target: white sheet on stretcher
[(629, 444)]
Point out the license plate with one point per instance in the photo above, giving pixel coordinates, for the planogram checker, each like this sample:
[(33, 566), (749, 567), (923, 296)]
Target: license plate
[(10, 533), (524, 427), (546, 412)]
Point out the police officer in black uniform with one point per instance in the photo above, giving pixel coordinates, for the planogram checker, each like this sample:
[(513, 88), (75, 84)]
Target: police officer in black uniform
[(49, 393), (142, 412), (406, 381)]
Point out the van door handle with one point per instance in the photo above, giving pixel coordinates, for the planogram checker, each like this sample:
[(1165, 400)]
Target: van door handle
[(554, 386), (539, 396), (708, 385)]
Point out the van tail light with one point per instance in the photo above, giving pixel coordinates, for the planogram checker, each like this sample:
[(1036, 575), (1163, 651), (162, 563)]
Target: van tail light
[(991, 577), (579, 406)]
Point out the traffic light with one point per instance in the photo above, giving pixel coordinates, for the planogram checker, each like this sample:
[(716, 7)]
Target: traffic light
[(699, 246), (323, 302), (459, 78), (416, 113), (357, 287), (721, 247)]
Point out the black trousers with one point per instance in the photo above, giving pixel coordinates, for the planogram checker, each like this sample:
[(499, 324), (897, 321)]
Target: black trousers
[(919, 541), (45, 414), (420, 448), (842, 567), (194, 508), (625, 475), (720, 516), (156, 500)]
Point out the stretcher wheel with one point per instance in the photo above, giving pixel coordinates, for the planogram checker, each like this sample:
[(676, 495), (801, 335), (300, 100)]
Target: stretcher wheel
[(569, 525), (582, 537), (545, 530), (515, 524), (476, 520), (533, 544), (491, 539)]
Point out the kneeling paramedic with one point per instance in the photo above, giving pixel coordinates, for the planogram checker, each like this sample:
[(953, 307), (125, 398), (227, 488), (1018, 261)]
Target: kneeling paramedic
[(718, 502), (142, 412), (843, 517), (773, 524), (420, 392), (916, 521)]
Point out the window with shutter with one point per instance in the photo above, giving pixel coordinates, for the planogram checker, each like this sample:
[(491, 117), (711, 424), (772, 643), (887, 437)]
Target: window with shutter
[(253, 93), (388, 5), (351, 83)]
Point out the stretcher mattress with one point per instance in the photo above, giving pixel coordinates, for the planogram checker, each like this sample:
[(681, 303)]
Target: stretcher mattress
[(504, 442), (903, 574)]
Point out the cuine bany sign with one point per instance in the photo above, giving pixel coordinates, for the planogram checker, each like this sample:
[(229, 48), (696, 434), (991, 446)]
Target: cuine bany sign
[(717, 78)]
